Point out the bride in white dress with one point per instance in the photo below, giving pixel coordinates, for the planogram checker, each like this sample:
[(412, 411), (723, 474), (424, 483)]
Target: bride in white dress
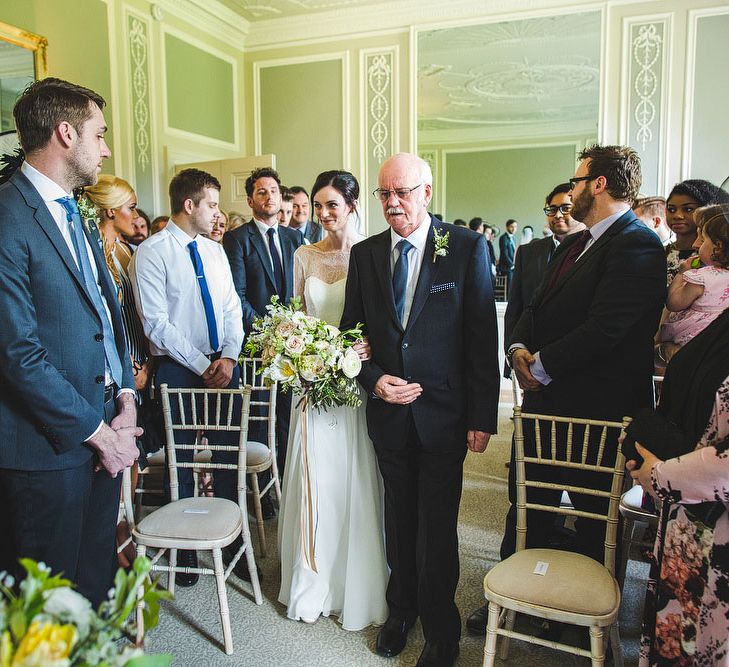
[(343, 509)]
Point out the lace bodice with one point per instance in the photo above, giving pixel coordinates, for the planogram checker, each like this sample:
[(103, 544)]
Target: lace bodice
[(320, 277)]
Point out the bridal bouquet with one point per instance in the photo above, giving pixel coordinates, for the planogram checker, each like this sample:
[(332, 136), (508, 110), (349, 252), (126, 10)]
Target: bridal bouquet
[(307, 355), (48, 624)]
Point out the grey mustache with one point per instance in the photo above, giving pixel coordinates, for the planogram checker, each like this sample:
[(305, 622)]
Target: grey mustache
[(394, 210)]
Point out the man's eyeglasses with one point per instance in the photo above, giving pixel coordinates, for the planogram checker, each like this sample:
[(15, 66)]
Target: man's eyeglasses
[(400, 193), (551, 211), (577, 179)]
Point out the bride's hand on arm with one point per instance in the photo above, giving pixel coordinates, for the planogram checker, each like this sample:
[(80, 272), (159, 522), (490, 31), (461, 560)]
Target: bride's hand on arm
[(362, 348)]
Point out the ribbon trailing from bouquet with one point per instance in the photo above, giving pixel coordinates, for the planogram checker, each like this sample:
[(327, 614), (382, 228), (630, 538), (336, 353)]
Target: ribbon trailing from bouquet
[(308, 496)]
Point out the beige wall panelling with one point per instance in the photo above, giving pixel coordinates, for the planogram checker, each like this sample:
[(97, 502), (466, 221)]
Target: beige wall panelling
[(644, 93), (705, 151), (379, 120)]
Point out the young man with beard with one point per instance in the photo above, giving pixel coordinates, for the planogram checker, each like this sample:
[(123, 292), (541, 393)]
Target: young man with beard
[(68, 420)]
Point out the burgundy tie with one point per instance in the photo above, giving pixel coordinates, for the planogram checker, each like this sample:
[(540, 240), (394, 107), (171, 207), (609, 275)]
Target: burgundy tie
[(569, 259)]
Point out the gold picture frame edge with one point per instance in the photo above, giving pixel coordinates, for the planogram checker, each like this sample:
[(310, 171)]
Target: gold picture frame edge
[(28, 40)]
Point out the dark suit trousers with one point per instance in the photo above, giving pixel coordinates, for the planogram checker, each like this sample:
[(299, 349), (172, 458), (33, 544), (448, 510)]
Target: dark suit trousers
[(225, 481), (65, 519), (422, 495), (540, 525)]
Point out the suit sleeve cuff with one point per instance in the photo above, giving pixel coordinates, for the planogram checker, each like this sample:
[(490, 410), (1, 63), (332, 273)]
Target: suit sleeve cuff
[(98, 428), (537, 370)]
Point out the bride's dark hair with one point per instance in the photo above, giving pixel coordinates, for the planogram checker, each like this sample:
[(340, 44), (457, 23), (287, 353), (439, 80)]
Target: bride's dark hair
[(342, 181)]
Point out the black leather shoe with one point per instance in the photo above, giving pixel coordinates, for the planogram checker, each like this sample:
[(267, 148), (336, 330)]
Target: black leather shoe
[(186, 558), (393, 636), (438, 654), (267, 508), (241, 567), (476, 622)]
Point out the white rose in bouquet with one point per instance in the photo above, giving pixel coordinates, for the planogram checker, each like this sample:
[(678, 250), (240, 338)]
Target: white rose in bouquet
[(311, 367), (285, 329), (332, 331), (350, 363), (294, 344)]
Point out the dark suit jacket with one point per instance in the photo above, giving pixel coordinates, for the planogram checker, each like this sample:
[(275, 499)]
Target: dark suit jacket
[(252, 271), (314, 232), (51, 346), (449, 345), (530, 265), (594, 330), (507, 250)]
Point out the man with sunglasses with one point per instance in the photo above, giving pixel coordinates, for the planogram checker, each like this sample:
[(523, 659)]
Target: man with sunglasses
[(531, 259)]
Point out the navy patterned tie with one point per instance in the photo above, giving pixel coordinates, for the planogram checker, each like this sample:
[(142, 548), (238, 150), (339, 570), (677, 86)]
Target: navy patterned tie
[(400, 276), (276, 260), (73, 217)]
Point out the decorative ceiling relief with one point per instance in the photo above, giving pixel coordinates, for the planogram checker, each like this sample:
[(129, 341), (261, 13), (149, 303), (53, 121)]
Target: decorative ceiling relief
[(527, 72), (260, 10)]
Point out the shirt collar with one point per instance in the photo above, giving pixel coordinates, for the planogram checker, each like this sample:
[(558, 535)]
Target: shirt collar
[(418, 238), (48, 189), (263, 228), (182, 237), (599, 228)]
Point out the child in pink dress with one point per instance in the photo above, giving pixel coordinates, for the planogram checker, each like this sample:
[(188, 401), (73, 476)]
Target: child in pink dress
[(696, 297)]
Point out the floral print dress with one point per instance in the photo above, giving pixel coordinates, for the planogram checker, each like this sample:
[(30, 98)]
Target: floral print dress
[(689, 601)]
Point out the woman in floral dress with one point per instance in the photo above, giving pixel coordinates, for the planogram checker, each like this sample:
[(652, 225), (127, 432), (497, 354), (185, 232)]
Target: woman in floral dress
[(687, 603)]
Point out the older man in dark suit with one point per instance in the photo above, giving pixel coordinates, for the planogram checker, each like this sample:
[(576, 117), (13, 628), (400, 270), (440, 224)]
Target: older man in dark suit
[(67, 412), (261, 256), (422, 290), (312, 231)]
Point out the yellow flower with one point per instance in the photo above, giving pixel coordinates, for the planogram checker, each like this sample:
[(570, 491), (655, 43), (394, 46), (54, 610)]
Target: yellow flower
[(6, 649), (45, 644)]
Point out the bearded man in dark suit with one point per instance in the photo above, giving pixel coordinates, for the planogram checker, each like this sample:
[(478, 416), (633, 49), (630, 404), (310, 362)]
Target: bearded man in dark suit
[(261, 256), (423, 292)]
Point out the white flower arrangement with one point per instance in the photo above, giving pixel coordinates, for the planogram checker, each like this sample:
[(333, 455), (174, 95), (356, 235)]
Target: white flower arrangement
[(306, 355)]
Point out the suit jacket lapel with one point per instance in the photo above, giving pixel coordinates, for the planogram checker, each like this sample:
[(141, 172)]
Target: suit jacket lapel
[(585, 260), (428, 272), (44, 218), (260, 246), (383, 271)]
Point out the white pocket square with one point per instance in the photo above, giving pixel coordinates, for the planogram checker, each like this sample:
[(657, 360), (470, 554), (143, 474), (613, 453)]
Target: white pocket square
[(442, 287)]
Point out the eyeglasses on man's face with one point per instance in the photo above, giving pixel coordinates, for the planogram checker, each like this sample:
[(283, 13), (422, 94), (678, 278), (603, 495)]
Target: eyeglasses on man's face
[(400, 193), (551, 211), (576, 179)]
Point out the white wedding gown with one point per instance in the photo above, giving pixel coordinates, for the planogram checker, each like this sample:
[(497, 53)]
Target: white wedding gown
[(346, 488)]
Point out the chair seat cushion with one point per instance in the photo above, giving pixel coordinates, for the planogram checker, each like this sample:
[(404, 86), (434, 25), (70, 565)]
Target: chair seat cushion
[(257, 453), (573, 583), (193, 519)]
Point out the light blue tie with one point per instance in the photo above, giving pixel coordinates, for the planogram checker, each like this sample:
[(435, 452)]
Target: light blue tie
[(79, 243), (205, 294), (400, 276)]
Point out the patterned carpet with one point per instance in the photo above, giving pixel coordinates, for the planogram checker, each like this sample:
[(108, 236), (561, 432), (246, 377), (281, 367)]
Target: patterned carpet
[(263, 636)]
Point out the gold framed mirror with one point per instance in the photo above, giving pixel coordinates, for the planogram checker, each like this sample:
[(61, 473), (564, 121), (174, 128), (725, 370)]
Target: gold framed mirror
[(23, 58)]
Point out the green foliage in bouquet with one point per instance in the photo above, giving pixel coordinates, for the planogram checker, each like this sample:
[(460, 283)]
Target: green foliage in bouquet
[(48, 624), (305, 354)]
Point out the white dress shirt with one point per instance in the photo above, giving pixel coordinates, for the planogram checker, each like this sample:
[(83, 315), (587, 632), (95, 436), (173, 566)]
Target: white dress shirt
[(170, 304), (418, 239), (263, 230)]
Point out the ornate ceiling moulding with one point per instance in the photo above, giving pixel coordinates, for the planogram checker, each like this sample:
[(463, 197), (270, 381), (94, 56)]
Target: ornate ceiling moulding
[(211, 16)]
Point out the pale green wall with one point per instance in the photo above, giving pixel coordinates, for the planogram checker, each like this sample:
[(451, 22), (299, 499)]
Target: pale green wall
[(77, 33), (710, 139), (502, 184), (199, 91), (301, 119)]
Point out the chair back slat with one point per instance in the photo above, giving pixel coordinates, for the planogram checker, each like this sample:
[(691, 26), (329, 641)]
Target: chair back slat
[(595, 457), (206, 418)]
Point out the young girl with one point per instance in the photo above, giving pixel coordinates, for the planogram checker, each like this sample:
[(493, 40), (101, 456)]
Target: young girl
[(699, 295)]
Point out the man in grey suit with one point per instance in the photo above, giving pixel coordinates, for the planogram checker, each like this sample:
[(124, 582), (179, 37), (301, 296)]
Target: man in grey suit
[(311, 230), (67, 412)]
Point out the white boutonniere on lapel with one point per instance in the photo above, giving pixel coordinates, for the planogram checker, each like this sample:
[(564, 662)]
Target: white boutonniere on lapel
[(89, 214), (441, 244)]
